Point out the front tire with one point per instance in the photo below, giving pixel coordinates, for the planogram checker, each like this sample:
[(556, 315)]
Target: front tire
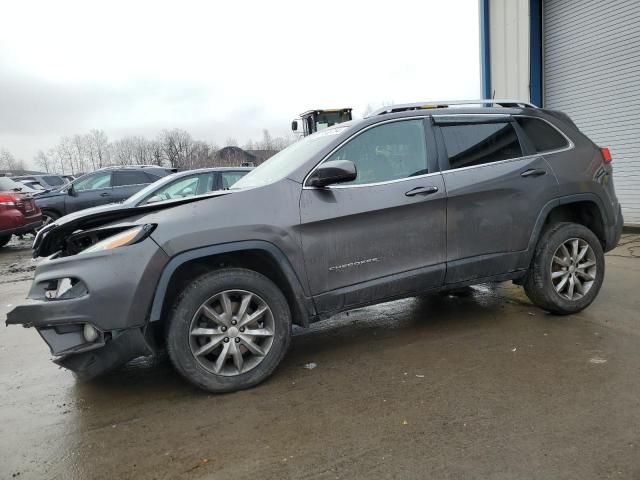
[(567, 270), (229, 330), (4, 239), (48, 216)]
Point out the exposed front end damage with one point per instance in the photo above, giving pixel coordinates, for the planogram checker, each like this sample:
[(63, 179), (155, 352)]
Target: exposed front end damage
[(90, 298), (125, 346)]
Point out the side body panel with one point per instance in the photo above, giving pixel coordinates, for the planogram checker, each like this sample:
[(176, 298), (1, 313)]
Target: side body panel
[(88, 198), (492, 210), (351, 236), (365, 243), (582, 171)]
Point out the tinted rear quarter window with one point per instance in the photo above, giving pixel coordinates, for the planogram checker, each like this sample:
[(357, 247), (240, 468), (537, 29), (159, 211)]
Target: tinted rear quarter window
[(543, 136), (53, 180), (131, 178), (156, 173), (480, 143)]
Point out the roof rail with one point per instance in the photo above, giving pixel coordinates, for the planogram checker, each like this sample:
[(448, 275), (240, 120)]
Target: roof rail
[(111, 167), (403, 107)]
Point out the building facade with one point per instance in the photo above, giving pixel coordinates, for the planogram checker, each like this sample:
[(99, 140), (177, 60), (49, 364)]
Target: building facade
[(578, 56)]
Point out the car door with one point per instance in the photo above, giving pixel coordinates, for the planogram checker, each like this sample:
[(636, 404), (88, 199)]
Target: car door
[(128, 182), (495, 191), (383, 234), (89, 191)]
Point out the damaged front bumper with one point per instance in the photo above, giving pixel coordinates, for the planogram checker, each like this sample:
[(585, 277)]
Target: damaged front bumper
[(92, 309)]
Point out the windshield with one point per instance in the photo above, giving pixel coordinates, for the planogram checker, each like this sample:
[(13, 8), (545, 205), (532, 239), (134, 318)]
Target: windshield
[(289, 159), (328, 119)]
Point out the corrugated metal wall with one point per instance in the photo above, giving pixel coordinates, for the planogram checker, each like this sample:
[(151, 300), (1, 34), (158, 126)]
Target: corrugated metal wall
[(592, 72), (509, 40)]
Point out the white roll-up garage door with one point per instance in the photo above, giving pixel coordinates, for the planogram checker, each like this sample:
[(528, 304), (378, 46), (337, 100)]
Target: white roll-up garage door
[(592, 72)]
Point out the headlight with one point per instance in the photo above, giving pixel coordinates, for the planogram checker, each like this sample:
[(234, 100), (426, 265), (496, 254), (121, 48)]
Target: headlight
[(127, 237)]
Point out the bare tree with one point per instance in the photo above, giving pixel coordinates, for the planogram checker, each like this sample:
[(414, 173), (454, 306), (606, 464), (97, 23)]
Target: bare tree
[(65, 155), (97, 145), (272, 143), (155, 152), (124, 151), (44, 161), (7, 160), (177, 146), (141, 151), (203, 155), (79, 143)]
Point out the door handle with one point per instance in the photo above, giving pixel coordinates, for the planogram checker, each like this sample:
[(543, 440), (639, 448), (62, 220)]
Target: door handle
[(533, 172), (105, 194), (421, 191)]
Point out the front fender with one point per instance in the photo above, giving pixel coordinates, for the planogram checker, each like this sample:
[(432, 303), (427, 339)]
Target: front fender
[(304, 305)]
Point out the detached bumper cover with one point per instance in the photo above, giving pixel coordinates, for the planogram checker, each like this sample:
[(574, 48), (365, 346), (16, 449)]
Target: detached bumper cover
[(90, 364), (115, 298), (119, 283)]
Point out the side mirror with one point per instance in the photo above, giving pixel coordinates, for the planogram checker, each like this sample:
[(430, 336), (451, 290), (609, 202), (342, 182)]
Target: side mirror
[(294, 126), (154, 199), (71, 191), (334, 171)]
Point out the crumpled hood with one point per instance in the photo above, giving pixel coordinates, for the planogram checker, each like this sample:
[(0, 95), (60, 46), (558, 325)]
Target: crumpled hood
[(50, 239)]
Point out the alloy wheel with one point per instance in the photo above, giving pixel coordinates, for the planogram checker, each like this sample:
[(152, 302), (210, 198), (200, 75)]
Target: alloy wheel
[(573, 269), (231, 332), (46, 220)]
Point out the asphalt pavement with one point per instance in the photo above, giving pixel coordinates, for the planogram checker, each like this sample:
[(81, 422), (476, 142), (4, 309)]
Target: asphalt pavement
[(482, 386)]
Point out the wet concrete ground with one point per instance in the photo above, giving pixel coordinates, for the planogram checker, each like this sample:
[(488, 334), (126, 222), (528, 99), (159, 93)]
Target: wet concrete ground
[(486, 386)]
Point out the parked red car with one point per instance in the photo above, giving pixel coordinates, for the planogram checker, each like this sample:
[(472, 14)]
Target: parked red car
[(18, 211)]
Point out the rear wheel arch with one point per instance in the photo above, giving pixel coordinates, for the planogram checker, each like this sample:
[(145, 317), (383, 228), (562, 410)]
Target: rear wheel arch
[(260, 256), (583, 212), (583, 209)]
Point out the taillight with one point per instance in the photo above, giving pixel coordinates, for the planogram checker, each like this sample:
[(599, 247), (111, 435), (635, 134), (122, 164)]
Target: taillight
[(606, 154), (7, 200)]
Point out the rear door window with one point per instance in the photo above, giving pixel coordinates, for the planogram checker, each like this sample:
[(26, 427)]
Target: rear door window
[(474, 144), (543, 137), (229, 178)]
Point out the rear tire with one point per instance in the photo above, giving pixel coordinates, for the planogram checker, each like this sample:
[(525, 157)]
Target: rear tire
[(4, 239), (567, 270), (229, 330)]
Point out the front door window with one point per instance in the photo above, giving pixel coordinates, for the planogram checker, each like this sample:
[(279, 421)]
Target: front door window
[(387, 152)]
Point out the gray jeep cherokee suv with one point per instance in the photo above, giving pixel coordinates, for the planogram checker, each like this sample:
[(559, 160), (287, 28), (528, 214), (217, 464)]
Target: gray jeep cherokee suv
[(414, 198)]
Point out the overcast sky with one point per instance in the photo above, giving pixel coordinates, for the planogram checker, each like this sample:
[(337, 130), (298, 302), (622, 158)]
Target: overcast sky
[(221, 69)]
